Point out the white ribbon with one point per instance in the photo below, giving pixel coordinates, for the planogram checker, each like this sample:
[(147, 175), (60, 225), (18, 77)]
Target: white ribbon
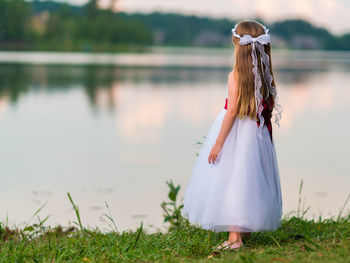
[(258, 44), (262, 39)]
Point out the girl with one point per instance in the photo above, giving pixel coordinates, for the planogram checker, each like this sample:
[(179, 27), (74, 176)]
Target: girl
[(235, 185)]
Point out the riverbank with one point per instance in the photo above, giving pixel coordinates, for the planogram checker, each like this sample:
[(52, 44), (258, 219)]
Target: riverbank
[(297, 240)]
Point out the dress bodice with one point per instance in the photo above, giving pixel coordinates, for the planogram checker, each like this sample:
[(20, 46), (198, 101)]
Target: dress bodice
[(268, 105)]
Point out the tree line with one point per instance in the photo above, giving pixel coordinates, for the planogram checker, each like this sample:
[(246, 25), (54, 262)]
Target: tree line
[(67, 28), (49, 25)]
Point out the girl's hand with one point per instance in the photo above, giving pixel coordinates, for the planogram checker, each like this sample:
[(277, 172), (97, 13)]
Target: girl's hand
[(214, 153)]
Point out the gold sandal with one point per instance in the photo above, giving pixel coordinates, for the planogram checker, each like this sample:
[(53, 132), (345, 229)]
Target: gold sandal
[(226, 245)]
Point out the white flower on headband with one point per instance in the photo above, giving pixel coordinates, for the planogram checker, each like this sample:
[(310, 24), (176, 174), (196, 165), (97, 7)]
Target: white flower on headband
[(258, 44)]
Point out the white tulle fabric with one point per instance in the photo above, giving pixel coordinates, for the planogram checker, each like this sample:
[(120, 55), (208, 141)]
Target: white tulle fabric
[(258, 46), (241, 191)]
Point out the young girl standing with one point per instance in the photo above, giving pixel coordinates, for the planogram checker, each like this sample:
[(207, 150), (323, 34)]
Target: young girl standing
[(235, 184)]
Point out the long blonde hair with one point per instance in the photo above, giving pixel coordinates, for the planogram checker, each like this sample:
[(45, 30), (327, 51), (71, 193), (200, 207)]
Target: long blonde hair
[(243, 70)]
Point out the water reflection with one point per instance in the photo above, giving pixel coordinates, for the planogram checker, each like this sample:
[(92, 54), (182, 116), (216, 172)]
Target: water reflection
[(116, 134), (100, 83)]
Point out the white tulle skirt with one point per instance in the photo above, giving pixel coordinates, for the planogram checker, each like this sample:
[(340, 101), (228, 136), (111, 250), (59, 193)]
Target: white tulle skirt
[(241, 191)]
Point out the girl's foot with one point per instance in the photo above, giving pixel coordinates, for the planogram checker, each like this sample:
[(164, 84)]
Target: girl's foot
[(228, 245), (236, 245)]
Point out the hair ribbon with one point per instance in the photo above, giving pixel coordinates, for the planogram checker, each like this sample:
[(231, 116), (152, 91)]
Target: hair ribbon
[(258, 44)]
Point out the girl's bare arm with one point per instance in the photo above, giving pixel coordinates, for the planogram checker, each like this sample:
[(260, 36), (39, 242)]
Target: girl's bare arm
[(229, 118)]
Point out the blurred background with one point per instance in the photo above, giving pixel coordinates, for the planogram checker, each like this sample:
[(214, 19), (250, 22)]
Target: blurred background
[(108, 100)]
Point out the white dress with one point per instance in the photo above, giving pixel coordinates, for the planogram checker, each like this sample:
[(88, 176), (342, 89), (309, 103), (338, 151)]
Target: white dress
[(241, 192)]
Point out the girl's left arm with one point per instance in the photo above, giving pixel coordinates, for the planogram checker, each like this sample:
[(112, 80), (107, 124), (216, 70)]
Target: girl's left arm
[(229, 118)]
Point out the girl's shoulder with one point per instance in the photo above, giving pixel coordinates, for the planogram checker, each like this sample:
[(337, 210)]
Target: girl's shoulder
[(231, 76), (232, 79)]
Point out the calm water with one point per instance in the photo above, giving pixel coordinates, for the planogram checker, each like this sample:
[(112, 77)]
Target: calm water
[(115, 127)]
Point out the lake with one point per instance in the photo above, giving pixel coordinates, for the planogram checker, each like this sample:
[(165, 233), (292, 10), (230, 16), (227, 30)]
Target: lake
[(114, 128)]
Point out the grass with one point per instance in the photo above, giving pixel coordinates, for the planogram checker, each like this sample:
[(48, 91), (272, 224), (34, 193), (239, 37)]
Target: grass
[(297, 240)]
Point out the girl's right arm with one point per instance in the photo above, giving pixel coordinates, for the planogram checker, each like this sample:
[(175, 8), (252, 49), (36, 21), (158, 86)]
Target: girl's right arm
[(229, 118)]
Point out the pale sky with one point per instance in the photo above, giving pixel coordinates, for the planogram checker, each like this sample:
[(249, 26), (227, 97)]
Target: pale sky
[(331, 14)]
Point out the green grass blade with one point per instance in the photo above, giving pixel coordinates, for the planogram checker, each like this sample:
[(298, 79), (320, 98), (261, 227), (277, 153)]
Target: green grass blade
[(76, 209), (110, 217), (36, 212), (342, 209), (137, 237)]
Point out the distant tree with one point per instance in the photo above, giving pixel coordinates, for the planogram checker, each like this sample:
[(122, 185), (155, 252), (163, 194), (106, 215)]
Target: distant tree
[(91, 8), (291, 29), (343, 42), (15, 18)]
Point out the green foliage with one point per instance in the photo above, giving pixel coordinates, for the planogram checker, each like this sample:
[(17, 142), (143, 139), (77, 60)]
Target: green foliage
[(66, 29), (172, 211), (288, 29), (180, 30), (87, 28), (14, 20)]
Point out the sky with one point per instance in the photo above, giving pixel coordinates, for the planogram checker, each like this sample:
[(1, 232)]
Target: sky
[(331, 14)]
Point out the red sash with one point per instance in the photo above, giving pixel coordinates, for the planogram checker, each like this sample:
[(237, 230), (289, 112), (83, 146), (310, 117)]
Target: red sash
[(266, 113)]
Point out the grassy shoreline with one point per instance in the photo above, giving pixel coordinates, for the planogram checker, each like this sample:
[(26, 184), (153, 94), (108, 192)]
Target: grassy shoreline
[(297, 240)]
